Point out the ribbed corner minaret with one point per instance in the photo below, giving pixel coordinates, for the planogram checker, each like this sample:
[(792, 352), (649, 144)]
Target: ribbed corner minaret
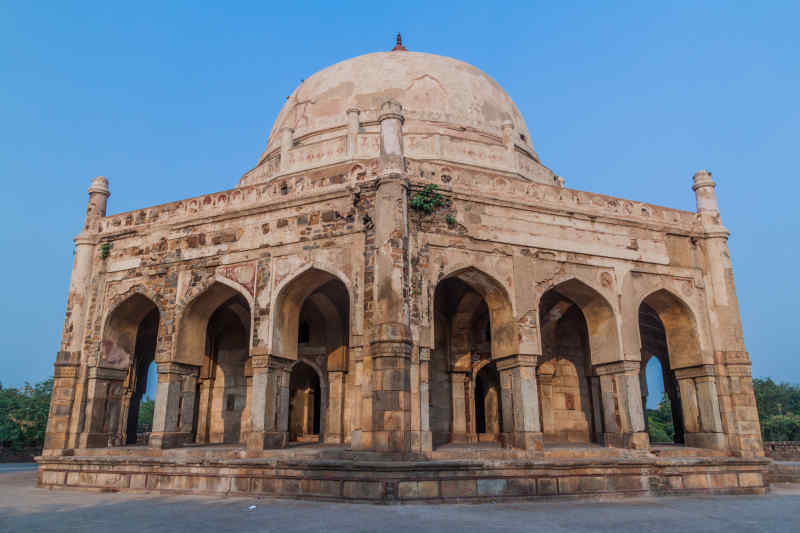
[(386, 403), (732, 360), (69, 386)]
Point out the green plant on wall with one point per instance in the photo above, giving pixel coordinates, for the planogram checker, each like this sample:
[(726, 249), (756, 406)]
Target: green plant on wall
[(105, 249), (428, 199), (451, 220)]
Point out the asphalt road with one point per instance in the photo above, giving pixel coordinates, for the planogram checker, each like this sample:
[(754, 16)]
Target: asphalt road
[(23, 508)]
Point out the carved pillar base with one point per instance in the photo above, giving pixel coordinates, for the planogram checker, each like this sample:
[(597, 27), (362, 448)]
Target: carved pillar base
[(520, 402), (270, 403), (623, 415), (102, 408), (700, 403), (173, 419), (65, 380), (388, 425)]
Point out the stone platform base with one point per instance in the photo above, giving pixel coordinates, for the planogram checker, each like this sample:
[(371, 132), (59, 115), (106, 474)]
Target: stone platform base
[(327, 473)]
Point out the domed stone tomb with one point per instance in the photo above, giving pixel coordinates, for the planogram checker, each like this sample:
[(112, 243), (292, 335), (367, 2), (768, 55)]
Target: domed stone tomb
[(400, 302)]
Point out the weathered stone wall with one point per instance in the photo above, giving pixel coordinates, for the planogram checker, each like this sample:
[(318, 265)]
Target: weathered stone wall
[(782, 450)]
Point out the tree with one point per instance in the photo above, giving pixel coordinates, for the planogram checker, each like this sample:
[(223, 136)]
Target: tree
[(659, 422), (146, 408), (778, 409), (23, 415)]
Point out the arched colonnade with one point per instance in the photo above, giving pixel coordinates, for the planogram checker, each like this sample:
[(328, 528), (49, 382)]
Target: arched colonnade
[(581, 388)]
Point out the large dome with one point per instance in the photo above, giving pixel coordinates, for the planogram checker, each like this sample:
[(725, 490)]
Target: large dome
[(431, 89)]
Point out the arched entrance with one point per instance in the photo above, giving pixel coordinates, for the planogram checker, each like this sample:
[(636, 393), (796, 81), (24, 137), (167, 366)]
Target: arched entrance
[(668, 330), (566, 378), (139, 375), (658, 382), (312, 326), (305, 404), (127, 354), (473, 326), (223, 388)]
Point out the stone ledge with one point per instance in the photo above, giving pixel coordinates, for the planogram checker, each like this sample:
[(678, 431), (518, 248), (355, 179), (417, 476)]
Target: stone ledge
[(407, 481)]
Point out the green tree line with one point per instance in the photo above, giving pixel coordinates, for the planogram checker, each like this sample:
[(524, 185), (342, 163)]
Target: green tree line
[(778, 412), (23, 415)]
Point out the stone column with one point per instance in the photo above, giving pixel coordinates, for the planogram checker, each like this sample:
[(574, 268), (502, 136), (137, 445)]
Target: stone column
[(65, 379), (422, 438), (520, 401), (173, 418), (104, 393), (700, 403), (270, 404), (737, 411), (388, 424), (546, 395), (459, 388), (623, 415), (334, 419)]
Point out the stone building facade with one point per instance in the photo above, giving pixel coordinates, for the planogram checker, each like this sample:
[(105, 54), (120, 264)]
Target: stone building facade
[(400, 273)]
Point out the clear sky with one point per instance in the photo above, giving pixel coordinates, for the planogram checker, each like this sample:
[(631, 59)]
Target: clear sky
[(171, 101)]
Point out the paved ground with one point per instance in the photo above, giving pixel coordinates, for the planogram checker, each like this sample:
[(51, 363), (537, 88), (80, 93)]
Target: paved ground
[(24, 507)]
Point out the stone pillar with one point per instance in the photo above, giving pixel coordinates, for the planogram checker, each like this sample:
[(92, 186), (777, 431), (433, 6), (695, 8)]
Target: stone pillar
[(286, 145), (737, 410), (459, 388), (546, 373), (334, 419), (623, 414), (353, 127), (422, 438), (173, 418), (388, 424), (270, 404), (700, 403), (104, 398), (521, 419), (65, 379)]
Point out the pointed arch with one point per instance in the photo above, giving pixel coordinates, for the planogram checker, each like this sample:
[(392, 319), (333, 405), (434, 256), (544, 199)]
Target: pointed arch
[(293, 293), (120, 330), (504, 338), (680, 326), (190, 347), (601, 319)]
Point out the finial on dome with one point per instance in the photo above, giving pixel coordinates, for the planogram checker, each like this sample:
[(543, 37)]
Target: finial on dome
[(398, 47)]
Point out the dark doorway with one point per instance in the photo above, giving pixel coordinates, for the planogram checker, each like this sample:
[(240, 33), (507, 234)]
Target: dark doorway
[(305, 403)]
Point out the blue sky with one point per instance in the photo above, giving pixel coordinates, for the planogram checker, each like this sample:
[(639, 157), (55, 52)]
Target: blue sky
[(170, 101)]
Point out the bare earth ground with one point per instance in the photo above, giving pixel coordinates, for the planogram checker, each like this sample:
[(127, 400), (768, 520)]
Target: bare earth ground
[(23, 507)]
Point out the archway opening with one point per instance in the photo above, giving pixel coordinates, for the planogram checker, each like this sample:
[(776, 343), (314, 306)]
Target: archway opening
[(660, 393), (221, 413), (305, 404), (472, 326), (129, 345), (139, 376), (570, 412), (312, 325), (488, 412)]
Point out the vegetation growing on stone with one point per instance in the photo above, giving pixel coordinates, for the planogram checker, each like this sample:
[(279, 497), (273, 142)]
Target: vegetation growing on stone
[(428, 199)]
